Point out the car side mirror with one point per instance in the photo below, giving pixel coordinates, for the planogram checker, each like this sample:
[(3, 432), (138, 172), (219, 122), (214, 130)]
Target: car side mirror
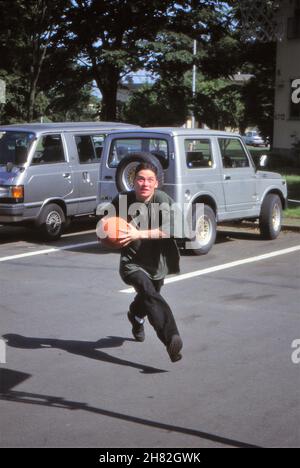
[(9, 166)]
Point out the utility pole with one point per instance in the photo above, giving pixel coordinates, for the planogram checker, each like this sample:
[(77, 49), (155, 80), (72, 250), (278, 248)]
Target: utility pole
[(194, 83)]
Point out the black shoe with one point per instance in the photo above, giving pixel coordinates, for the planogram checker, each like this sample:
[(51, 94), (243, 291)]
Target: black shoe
[(137, 328), (174, 348)]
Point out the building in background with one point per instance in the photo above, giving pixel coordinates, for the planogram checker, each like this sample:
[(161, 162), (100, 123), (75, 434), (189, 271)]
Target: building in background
[(287, 87)]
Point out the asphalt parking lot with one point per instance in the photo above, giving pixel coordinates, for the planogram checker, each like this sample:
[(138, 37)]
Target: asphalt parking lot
[(74, 377)]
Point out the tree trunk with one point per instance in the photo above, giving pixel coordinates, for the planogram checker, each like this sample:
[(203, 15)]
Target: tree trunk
[(109, 103), (38, 60), (39, 51), (32, 96), (107, 79)]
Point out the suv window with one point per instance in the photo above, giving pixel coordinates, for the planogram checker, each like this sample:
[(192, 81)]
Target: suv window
[(49, 150), (198, 153), (121, 147), (233, 153), (89, 148)]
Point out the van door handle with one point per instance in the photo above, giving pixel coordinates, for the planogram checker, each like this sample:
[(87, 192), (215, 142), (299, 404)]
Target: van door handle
[(86, 176), (67, 175), (108, 177), (227, 177)]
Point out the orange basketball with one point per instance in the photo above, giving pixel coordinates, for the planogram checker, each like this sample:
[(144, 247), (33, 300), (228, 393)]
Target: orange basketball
[(110, 231)]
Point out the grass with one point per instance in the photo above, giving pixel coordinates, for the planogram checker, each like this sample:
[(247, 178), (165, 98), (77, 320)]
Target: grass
[(292, 176), (293, 184), (254, 150), (292, 213)]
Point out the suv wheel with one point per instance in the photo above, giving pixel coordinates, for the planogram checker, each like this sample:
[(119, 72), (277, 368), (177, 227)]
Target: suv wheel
[(270, 217), (205, 228), (52, 222), (126, 169)]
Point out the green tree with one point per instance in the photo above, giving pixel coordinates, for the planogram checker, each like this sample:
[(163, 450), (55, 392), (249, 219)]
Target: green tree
[(170, 61), (219, 104), (157, 104), (28, 29), (113, 38), (40, 74), (257, 56), (259, 92)]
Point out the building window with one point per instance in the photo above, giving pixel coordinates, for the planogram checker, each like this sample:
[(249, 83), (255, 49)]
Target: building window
[(295, 99)]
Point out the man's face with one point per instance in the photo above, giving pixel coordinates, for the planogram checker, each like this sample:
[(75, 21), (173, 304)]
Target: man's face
[(145, 183)]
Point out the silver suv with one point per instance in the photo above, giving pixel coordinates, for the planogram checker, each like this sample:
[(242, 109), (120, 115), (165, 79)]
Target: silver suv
[(206, 167)]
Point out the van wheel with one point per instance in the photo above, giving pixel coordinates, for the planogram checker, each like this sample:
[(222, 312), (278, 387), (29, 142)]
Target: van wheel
[(270, 217), (205, 228), (52, 222), (126, 169)]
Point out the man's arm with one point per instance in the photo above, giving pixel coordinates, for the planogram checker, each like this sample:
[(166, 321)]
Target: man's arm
[(134, 234)]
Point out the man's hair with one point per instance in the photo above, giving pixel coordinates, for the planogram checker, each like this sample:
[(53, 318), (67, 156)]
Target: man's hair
[(145, 166)]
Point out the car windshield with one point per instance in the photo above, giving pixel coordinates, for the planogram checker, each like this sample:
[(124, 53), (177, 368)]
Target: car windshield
[(14, 147)]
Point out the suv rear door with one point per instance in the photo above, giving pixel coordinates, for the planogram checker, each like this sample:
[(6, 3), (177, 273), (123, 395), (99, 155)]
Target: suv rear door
[(118, 145)]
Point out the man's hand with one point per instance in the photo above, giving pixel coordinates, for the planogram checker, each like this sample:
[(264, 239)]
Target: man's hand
[(134, 234), (129, 236)]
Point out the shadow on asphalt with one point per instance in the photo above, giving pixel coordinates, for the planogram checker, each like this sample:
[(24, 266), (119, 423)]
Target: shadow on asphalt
[(228, 235), (15, 377), (88, 349)]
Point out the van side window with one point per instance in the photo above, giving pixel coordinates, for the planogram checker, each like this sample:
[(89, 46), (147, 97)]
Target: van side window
[(89, 148), (49, 150), (198, 153), (233, 153), (98, 142)]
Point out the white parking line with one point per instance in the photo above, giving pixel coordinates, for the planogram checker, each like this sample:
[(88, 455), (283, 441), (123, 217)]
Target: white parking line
[(224, 266), (80, 233), (47, 251)]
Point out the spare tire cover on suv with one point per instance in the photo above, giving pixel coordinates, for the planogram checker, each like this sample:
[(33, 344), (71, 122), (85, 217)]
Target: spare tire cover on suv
[(126, 169)]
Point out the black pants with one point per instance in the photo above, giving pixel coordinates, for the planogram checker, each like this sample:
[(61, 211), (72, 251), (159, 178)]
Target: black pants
[(149, 302)]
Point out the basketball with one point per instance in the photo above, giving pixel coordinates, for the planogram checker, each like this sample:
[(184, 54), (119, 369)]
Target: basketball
[(109, 231)]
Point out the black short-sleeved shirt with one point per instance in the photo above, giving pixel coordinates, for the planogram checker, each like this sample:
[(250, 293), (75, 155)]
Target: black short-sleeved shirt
[(156, 257)]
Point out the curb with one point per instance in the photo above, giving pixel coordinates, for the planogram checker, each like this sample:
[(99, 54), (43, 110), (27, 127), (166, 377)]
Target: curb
[(290, 227), (245, 224)]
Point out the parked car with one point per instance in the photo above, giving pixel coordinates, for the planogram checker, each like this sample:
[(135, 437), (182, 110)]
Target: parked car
[(253, 138), (207, 167), (49, 172)]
